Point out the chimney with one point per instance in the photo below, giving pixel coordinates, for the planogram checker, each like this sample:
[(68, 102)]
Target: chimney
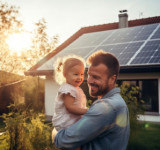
[(123, 19)]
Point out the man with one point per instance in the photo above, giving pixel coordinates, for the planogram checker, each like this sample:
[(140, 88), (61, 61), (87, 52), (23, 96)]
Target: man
[(106, 124)]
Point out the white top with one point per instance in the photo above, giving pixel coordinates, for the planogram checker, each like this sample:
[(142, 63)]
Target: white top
[(62, 118)]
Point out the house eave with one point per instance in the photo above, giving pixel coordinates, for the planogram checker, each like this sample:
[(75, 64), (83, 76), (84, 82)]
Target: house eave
[(140, 69)]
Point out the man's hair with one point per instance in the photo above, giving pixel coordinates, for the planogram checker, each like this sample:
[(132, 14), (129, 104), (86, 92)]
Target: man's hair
[(106, 58)]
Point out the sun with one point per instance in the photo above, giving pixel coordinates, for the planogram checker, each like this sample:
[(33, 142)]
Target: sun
[(19, 42)]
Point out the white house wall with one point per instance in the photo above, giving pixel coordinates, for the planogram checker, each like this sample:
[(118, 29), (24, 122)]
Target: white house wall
[(151, 117), (51, 89)]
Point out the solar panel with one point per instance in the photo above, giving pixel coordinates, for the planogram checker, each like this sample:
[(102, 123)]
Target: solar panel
[(90, 39), (131, 34), (122, 51), (132, 46), (82, 51), (150, 53), (156, 35)]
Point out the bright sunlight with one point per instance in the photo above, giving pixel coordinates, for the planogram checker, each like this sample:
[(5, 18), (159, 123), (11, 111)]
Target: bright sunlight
[(19, 42)]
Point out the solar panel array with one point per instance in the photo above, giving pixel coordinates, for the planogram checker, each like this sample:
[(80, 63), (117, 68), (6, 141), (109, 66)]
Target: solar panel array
[(132, 46)]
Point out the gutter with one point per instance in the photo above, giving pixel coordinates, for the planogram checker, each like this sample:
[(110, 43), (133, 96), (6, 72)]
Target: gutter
[(140, 68)]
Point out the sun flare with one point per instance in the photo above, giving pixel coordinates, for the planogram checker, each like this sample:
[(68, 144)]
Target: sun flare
[(19, 42)]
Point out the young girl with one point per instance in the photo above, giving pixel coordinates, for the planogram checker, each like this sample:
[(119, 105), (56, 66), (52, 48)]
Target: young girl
[(70, 102)]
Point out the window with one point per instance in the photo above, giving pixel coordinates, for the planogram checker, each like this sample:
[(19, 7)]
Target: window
[(148, 92)]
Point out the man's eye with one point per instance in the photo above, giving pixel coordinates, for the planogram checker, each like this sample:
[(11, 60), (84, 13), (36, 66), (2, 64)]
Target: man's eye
[(95, 77)]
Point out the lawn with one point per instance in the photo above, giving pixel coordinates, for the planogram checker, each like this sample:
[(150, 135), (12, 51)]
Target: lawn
[(145, 137)]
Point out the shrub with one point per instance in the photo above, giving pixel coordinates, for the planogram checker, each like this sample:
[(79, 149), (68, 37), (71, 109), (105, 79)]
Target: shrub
[(130, 95), (26, 130)]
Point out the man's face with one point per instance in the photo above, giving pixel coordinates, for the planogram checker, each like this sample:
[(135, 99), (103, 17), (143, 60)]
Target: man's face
[(98, 80)]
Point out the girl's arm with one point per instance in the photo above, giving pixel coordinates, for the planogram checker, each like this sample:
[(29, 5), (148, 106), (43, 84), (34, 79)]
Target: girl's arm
[(71, 107)]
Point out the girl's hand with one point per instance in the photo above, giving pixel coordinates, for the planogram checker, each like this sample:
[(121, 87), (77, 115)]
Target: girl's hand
[(54, 132)]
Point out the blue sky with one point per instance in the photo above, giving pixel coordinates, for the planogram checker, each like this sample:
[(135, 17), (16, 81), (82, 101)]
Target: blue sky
[(65, 17)]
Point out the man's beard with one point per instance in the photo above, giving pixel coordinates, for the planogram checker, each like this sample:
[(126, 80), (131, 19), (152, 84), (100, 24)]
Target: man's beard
[(100, 92)]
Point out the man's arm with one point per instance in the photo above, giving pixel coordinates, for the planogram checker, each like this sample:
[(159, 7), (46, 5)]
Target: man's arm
[(87, 128)]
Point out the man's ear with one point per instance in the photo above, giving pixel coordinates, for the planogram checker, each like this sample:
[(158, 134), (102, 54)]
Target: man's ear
[(112, 79)]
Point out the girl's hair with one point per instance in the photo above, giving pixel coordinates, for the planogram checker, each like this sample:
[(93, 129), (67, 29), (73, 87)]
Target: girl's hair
[(63, 65)]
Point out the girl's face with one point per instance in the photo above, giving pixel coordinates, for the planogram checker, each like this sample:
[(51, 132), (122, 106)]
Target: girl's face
[(75, 75)]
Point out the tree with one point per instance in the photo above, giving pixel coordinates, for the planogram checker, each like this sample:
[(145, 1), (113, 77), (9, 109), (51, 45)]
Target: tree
[(42, 44), (9, 23)]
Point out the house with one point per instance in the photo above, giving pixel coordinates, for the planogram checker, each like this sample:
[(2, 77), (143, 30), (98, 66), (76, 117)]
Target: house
[(136, 44)]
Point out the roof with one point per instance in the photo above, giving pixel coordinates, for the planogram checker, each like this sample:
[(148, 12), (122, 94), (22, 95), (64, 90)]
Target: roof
[(90, 29)]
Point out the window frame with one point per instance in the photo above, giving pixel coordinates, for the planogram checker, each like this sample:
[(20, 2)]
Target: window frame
[(137, 84)]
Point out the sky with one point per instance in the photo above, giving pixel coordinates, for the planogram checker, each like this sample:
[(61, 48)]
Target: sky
[(65, 17)]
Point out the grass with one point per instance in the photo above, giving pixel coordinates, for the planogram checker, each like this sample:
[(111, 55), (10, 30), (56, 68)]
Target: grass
[(145, 137)]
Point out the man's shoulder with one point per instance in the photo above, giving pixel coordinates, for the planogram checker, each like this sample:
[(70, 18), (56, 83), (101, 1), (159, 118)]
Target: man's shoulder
[(100, 106)]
